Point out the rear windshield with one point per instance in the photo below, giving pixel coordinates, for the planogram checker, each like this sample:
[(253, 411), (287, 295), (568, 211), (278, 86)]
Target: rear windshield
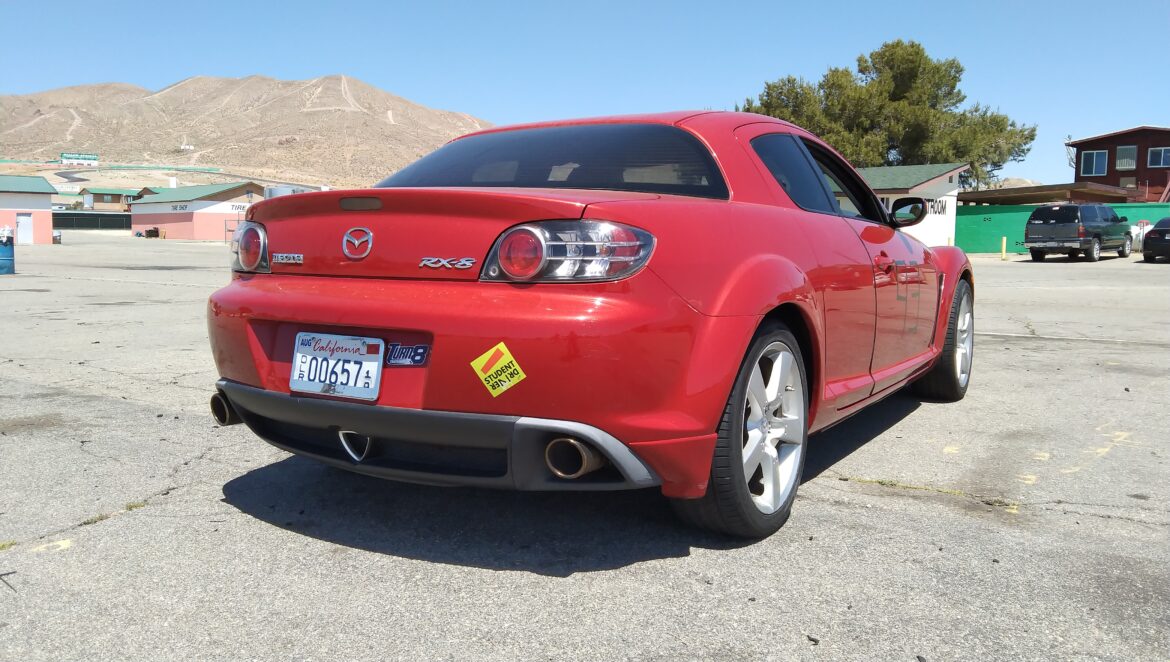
[(1060, 214), (1163, 224), (652, 158)]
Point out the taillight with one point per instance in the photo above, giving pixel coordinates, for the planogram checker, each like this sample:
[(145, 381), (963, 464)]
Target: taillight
[(250, 248), (1080, 232), (1153, 234), (568, 251), (522, 253)]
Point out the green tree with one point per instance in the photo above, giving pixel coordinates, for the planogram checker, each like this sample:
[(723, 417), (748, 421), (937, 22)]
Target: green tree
[(900, 107)]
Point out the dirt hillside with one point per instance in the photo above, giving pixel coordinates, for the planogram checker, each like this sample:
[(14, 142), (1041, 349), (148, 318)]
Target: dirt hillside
[(332, 130)]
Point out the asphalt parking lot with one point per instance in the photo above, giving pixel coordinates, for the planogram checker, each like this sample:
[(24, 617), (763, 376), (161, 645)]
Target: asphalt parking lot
[(1029, 521)]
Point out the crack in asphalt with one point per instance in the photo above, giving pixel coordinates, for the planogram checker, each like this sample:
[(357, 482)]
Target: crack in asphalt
[(175, 470), (1000, 502)]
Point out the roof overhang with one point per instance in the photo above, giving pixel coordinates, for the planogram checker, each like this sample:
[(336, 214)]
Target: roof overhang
[(1034, 195), (1074, 143)]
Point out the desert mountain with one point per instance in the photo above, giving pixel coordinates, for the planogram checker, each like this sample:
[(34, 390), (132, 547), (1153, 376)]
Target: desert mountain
[(332, 130)]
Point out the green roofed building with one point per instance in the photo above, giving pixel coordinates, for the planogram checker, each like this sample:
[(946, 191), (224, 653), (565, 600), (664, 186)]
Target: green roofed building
[(26, 208), (108, 199), (206, 212)]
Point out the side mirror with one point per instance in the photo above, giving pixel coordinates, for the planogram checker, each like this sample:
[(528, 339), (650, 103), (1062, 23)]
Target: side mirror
[(1124, 219), (907, 211)]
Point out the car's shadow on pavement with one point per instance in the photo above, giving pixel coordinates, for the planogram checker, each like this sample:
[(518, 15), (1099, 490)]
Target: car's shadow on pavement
[(548, 533), (838, 442)]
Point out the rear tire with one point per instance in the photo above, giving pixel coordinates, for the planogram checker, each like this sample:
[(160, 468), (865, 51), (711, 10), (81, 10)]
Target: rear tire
[(1037, 256), (1127, 247), (950, 376), (766, 417), (1094, 252)]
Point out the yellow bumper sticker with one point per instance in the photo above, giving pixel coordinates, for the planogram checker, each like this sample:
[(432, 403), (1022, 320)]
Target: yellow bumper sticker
[(497, 370)]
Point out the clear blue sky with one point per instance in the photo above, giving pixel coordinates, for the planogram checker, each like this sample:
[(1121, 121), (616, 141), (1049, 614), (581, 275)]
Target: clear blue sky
[(1075, 67)]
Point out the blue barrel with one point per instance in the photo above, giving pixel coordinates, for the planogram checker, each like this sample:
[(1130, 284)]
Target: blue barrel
[(7, 256)]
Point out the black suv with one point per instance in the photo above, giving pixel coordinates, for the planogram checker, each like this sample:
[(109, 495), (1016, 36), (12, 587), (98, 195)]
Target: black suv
[(1074, 229)]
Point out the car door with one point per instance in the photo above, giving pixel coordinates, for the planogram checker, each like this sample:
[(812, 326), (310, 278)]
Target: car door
[(904, 273), (1113, 226), (842, 279)]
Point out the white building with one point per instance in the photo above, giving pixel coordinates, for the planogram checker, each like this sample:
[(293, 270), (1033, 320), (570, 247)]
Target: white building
[(937, 183)]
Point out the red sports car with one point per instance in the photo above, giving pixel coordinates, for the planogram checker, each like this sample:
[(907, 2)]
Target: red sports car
[(673, 300)]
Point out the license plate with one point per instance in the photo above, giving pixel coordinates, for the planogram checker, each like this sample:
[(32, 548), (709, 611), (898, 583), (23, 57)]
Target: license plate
[(346, 366)]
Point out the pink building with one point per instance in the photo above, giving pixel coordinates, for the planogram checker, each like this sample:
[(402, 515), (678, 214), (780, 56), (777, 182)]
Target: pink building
[(26, 207), (207, 212)]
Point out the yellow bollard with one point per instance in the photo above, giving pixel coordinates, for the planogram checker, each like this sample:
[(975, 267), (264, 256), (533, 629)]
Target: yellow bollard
[(1003, 249)]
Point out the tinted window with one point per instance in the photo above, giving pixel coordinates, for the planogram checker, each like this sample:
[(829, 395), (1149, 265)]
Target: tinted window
[(651, 158), (850, 195), (1107, 214), (1163, 224), (784, 158), (1088, 214), (1058, 213)]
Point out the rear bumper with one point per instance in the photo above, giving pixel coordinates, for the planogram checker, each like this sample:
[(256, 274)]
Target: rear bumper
[(628, 359), (1161, 247), (1056, 245), (430, 447)]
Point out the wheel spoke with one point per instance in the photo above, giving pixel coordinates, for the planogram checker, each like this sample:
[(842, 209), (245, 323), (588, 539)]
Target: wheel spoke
[(768, 476), (780, 486), (790, 429), (757, 393), (753, 451), (781, 371)]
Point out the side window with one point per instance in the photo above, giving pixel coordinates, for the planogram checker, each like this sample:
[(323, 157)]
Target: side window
[(783, 157), (852, 197), (1108, 214), (1088, 215)]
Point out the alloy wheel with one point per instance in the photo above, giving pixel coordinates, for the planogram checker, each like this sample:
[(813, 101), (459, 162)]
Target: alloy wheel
[(964, 340), (774, 428)]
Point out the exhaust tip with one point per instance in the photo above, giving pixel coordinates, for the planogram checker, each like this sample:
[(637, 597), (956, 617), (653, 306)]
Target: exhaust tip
[(355, 445), (222, 411), (570, 458)]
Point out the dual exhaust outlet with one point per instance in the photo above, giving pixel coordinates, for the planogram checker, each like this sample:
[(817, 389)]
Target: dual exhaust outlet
[(570, 458), (567, 458), (222, 411)]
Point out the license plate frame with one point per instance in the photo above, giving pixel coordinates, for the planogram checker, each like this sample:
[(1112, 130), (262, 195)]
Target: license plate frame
[(324, 364)]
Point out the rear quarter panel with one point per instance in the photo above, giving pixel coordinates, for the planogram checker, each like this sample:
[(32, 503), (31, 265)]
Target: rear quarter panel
[(732, 261), (953, 266)]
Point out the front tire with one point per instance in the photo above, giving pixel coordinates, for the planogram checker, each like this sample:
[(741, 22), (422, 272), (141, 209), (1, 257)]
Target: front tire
[(760, 450), (950, 376), (1094, 251), (1037, 256), (1127, 248)]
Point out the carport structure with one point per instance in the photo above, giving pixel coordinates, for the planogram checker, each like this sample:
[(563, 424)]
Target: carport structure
[(1036, 195)]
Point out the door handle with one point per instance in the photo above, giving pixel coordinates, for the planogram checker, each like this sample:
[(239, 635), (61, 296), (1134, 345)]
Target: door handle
[(883, 262)]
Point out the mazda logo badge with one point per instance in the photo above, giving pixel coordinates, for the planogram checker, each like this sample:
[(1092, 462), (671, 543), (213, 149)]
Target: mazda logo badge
[(357, 243)]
